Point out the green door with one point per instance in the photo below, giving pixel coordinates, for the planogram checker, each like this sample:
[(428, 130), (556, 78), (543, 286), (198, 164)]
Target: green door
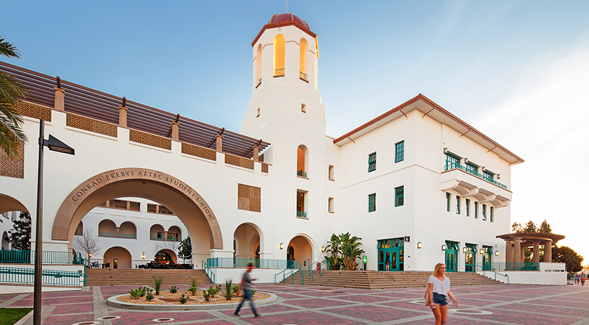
[(451, 256), (486, 256), (470, 258), (393, 250)]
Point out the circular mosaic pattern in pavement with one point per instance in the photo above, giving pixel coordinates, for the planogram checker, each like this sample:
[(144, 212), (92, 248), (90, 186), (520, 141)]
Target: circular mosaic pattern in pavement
[(472, 312), (108, 317), (161, 320)]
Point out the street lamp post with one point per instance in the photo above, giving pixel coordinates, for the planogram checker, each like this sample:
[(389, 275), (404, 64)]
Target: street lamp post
[(55, 145)]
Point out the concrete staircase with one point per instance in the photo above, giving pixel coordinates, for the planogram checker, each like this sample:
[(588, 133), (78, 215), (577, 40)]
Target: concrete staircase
[(108, 277), (385, 280)]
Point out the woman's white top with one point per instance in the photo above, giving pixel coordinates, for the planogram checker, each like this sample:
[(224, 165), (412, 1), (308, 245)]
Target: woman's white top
[(440, 287)]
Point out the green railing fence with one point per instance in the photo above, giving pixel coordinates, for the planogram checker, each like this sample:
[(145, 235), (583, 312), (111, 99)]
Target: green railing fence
[(450, 166), (208, 271), (301, 214), (131, 236), (292, 267), (303, 75), (48, 257), (315, 266), (243, 262), (107, 234), (49, 277), (301, 173), (486, 269), (512, 266)]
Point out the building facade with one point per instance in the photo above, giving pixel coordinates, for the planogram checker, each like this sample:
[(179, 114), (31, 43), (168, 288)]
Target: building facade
[(417, 184)]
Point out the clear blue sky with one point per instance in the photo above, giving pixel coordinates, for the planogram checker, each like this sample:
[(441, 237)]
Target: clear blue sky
[(516, 70)]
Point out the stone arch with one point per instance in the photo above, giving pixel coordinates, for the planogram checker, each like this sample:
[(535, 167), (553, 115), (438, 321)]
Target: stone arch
[(304, 248), (117, 257), (8, 203), (106, 228), (159, 187), (156, 232), (128, 229), (248, 236)]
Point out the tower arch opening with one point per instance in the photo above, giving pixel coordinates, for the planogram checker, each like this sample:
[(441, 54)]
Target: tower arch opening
[(304, 60), (302, 160), (259, 65), (279, 55)]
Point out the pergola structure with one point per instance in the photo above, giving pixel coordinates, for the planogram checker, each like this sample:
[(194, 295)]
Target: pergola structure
[(516, 242)]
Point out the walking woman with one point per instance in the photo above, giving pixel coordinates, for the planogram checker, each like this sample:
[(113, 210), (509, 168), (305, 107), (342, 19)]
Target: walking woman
[(438, 288)]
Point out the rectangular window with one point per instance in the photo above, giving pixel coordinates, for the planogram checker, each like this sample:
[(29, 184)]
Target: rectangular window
[(484, 212), (448, 197), (301, 204), (372, 202), (331, 173), (399, 151), (488, 175), (372, 162), (476, 210), (457, 204), (330, 206), (491, 213), (249, 198), (468, 207), (303, 108), (399, 196), (472, 168), (258, 115), (452, 161)]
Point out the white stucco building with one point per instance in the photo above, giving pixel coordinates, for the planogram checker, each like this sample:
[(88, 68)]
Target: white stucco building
[(417, 183)]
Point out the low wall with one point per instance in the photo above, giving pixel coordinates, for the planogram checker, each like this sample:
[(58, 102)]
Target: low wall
[(549, 274), (261, 275), (27, 277)]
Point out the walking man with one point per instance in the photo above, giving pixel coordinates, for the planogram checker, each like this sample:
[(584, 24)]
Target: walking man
[(245, 285)]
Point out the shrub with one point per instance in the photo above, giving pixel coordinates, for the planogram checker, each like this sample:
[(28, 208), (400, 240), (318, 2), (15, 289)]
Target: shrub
[(235, 288), (158, 283), (143, 291), (174, 289), (193, 289), (136, 293), (149, 296), (228, 293), (206, 295), (213, 291), (194, 283), (253, 292), (183, 299)]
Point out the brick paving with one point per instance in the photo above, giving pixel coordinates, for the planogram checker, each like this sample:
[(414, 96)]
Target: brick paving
[(497, 304)]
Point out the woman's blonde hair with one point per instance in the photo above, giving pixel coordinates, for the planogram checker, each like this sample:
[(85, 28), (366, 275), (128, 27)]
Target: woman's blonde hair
[(437, 269)]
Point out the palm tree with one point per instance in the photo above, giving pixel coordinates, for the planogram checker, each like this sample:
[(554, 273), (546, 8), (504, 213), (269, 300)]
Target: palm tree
[(344, 251), (11, 91)]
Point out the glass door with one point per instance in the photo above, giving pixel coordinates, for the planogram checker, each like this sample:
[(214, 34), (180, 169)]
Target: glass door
[(451, 256), (470, 258), (487, 253), (393, 251)]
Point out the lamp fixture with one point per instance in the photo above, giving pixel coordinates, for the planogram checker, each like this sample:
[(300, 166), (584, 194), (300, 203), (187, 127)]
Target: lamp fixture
[(464, 249), (323, 248), (496, 253), (89, 254), (281, 246), (498, 176), (482, 251), (419, 245), (466, 160), (445, 150), (444, 247)]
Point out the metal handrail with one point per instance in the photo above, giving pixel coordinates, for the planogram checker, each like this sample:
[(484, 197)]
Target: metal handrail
[(496, 273), (48, 257), (450, 166), (208, 271), (49, 277), (310, 268), (296, 266)]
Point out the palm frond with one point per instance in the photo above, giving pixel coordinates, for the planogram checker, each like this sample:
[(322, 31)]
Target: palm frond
[(7, 49)]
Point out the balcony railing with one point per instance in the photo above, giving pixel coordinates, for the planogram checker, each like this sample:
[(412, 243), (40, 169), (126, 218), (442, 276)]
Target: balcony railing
[(49, 257), (174, 239), (302, 75), (156, 238), (107, 234), (131, 236), (259, 82), (301, 214), (510, 266), (301, 173), (79, 233), (239, 262), (450, 166), (279, 72)]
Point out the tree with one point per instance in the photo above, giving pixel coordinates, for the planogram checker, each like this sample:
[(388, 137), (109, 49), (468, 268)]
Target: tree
[(545, 228), (333, 248), (185, 249), (516, 227), (568, 256), (530, 227), (344, 251), (88, 243), (11, 91), (20, 234)]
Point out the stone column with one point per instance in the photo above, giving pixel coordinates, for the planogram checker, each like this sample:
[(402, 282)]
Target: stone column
[(59, 99), (523, 255), (517, 250), (175, 131), (256, 152), (536, 253), (219, 146), (123, 116), (118, 232), (548, 251), (508, 252), (166, 235), (108, 203)]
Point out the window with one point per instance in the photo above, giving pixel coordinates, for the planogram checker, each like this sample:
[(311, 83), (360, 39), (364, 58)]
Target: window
[(457, 204), (303, 108), (279, 55), (258, 113), (484, 212), (476, 210), (372, 202), (472, 168), (399, 151), (259, 66), (249, 198), (448, 197), (491, 213), (487, 175), (304, 59), (452, 161), (399, 196), (372, 162), (331, 173), (330, 206), (468, 207), (301, 204), (302, 161)]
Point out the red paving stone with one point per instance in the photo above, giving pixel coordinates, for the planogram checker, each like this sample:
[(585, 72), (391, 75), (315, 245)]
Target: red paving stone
[(375, 314), (317, 303), (147, 317), (563, 311), (73, 308), (307, 318), (246, 310)]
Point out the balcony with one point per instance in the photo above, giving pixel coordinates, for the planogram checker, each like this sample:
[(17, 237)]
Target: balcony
[(471, 184), (107, 234), (156, 238), (301, 173), (279, 72), (303, 76), (301, 214), (130, 236), (259, 82)]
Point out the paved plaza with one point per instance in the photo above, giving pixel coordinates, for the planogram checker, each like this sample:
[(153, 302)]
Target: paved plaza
[(490, 304)]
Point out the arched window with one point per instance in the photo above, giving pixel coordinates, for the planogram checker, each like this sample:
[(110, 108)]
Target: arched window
[(107, 228), (259, 66), (304, 60), (128, 230), (279, 55), (302, 161), (80, 229)]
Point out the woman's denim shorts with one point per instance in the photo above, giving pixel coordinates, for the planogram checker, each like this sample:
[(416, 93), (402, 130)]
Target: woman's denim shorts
[(440, 299)]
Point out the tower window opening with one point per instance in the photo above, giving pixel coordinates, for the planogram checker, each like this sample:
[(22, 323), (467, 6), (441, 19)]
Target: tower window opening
[(259, 66), (302, 160), (279, 55), (304, 60), (303, 108), (258, 115)]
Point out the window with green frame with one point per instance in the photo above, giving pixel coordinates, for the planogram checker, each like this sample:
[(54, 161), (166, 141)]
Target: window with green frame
[(457, 204), (488, 175), (491, 214), (476, 210), (448, 197), (452, 161), (399, 196), (372, 162), (468, 207), (399, 151), (372, 202), (484, 212), (472, 168)]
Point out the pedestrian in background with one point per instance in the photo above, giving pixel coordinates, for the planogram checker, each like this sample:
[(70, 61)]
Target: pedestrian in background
[(245, 286), (438, 287)]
